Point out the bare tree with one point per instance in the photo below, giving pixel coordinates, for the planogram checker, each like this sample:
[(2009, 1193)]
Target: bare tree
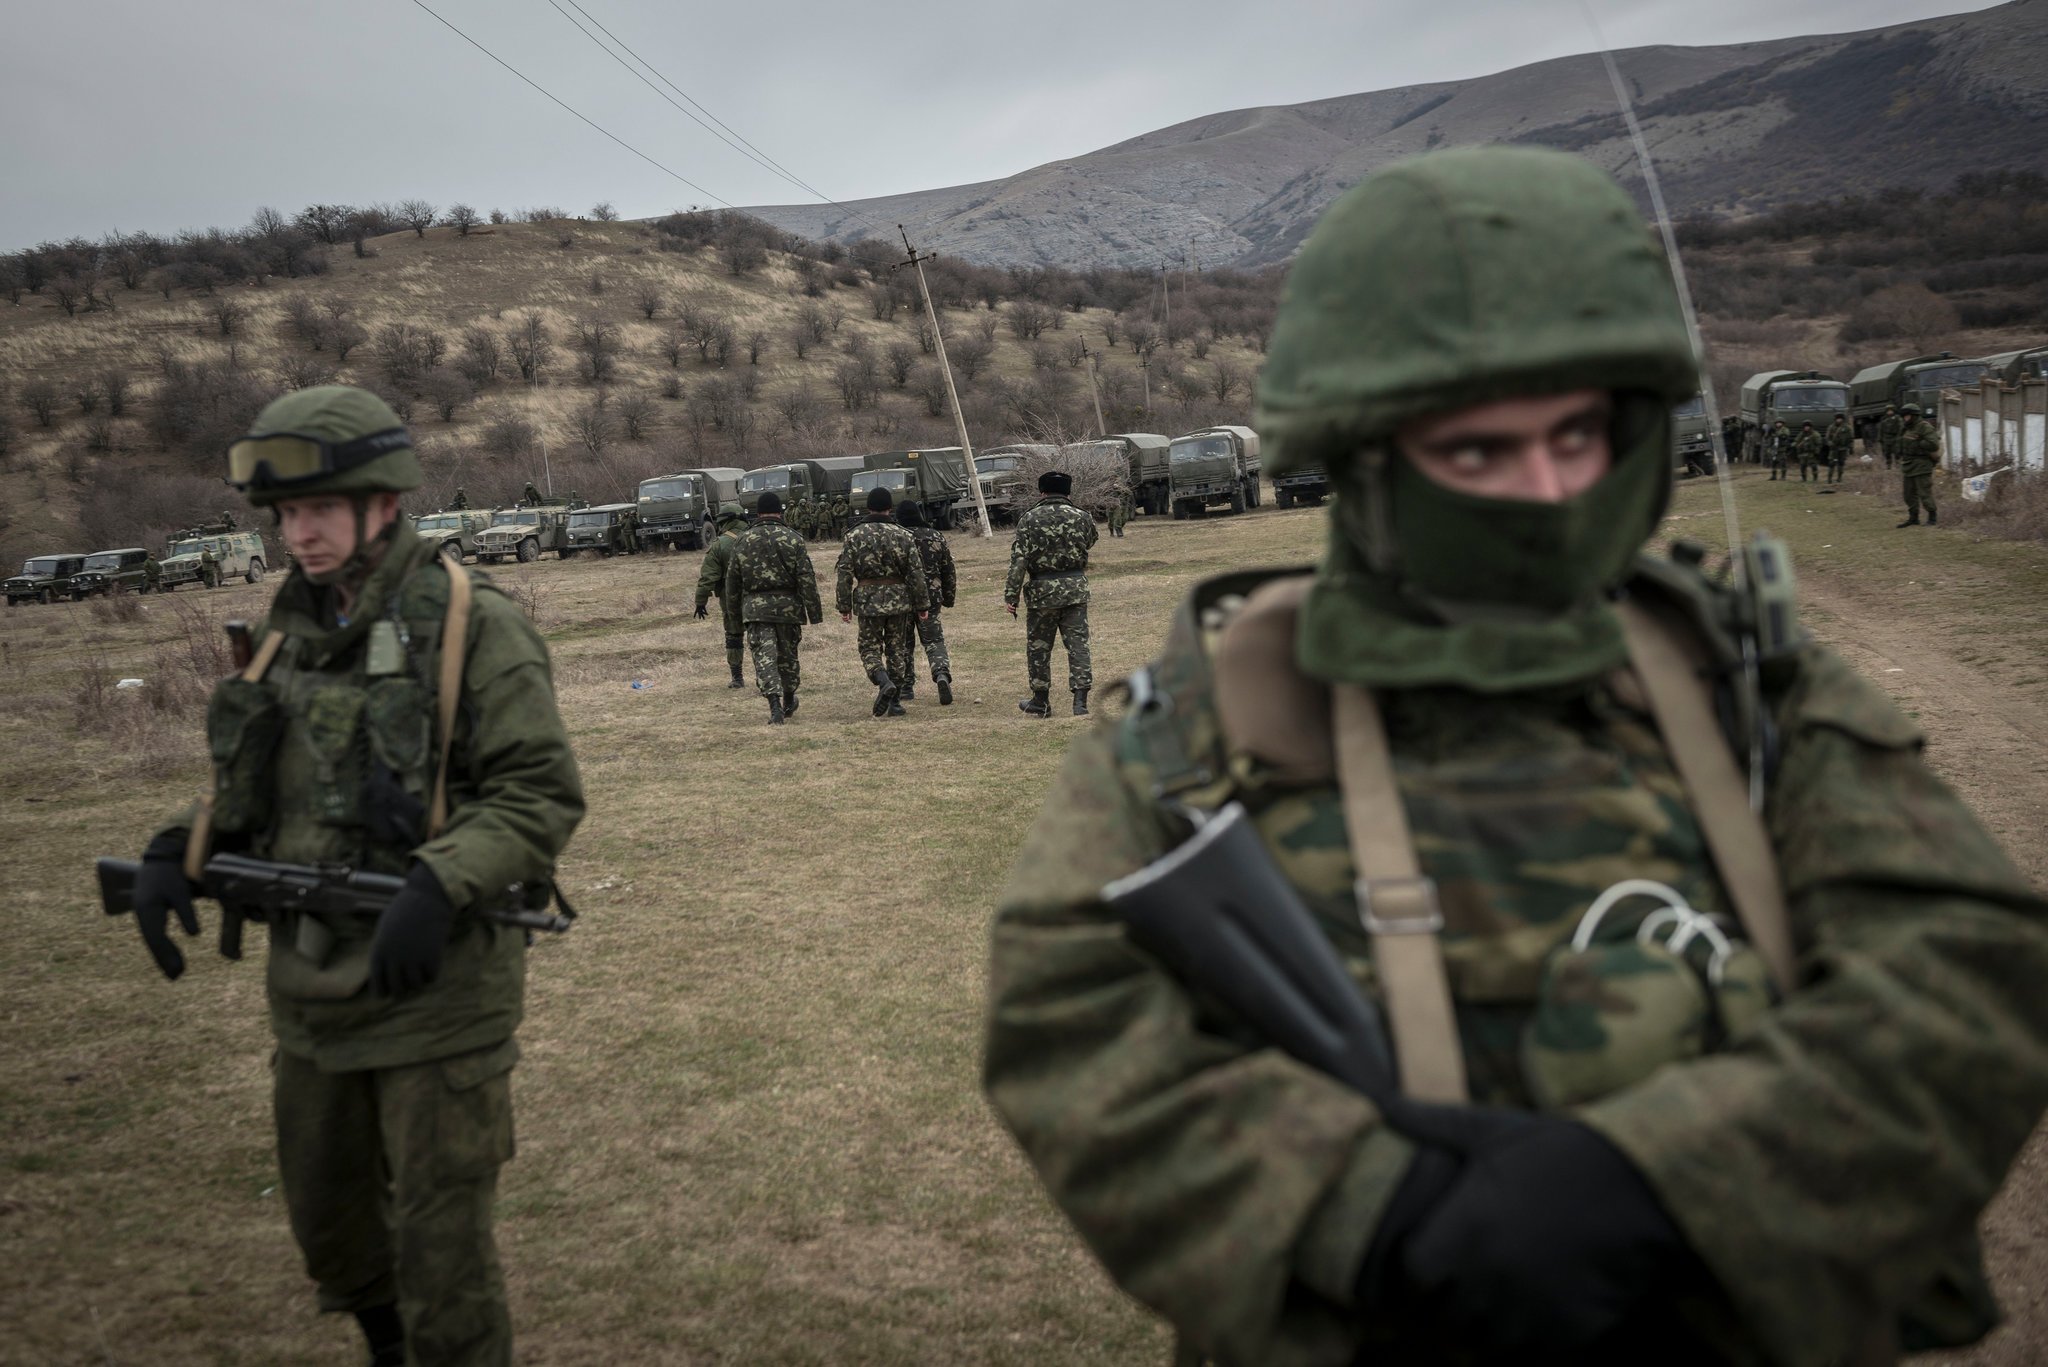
[(1028, 320), (482, 356), (835, 314), (228, 316), (594, 424), (408, 351), (1144, 337), (901, 357), (446, 391), (1111, 330), (650, 301), (1226, 381), (986, 326), (970, 356), (71, 292), (303, 372), (462, 218), (347, 334), (814, 322), (800, 339), (531, 345), (114, 383), (597, 341), (41, 399), (603, 211), (636, 415), (673, 346), (418, 215), (926, 338), (86, 393), (855, 377), (510, 436), (757, 342), (800, 409), (327, 222)]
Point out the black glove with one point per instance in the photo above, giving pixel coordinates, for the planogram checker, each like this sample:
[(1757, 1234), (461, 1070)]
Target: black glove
[(703, 611), (405, 953), (1544, 1245), (160, 889)]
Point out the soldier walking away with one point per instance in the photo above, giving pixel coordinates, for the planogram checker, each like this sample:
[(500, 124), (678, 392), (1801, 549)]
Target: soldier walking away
[(1473, 760), (334, 746), (1049, 570), (732, 520), (1838, 439), (460, 502), (1809, 450), (1119, 512), (209, 567), (881, 578), (772, 580), (941, 581), (1888, 433), (1778, 449), (1919, 453)]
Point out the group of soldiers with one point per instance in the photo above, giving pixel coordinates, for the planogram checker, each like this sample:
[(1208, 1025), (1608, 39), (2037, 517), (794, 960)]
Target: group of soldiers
[(1815, 452), (1906, 438), (820, 519)]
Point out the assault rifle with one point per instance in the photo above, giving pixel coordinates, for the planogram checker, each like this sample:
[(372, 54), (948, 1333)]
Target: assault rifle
[(255, 889)]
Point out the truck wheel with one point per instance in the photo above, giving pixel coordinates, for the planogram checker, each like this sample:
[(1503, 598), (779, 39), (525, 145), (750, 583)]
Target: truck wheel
[(453, 550), (1237, 500), (255, 574), (529, 550), (1283, 499), (564, 553), (1180, 512)]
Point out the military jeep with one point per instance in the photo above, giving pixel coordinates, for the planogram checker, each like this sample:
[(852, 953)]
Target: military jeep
[(608, 529), (239, 553), (43, 579), (111, 572), (453, 529), (523, 533)]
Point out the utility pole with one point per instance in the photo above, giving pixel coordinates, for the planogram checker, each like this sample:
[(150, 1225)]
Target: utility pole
[(1166, 303), (1145, 365), (1101, 427), (913, 260)]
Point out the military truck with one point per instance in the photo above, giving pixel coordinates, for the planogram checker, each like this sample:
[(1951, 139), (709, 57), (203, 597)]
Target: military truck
[(609, 529), (523, 532), (1793, 396), (239, 553), (43, 579), (2017, 367), (1000, 472), (110, 572), (934, 479), (1692, 438), (677, 510), (1151, 470), (1217, 466), (792, 480), (1308, 484), (1918, 379), (454, 528)]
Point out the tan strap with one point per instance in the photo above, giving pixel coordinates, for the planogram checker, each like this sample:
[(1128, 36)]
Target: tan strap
[(448, 691), (199, 842), (1682, 701), (1397, 905)]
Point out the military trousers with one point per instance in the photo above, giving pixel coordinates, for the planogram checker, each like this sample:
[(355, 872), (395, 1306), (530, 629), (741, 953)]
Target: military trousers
[(932, 634), (389, 1175), (887, 643), (1919, 492), (776, 647), (1835, 468), (1042, 626)]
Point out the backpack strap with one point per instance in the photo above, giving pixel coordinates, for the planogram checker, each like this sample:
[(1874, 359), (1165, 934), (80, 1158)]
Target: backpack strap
[(448, 689), (1682, 701), (199, 843)]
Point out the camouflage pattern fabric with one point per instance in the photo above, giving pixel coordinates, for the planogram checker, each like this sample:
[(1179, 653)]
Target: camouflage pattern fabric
[(941, 576), (842, 513), (209, 568), (1042, 626), (881, 573), (1888, 433), (1821, 1168), (885, 643), (1807, 446), (1119, 513), (1919, 447), (931, 633), (777, 649), (1838, 439), (1919, 493), (1049, 555), (425, 1143), (771, 576)]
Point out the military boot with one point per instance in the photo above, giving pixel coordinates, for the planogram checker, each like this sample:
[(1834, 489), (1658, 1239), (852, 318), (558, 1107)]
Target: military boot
[(789, 702), (885, 696), (385, 1333), (737, 681), (1037, 705), (909, 691), (1080, 702), (945, 692), (774, 710), (1930, 517), (1912, 520), (895, 710)]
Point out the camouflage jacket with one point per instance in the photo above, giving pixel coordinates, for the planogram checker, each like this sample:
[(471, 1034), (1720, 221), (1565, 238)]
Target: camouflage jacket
[(939, 575), (711, 580), (1049, 557), (771, 576), (1838, 439), (1827, 1168), (1888, 434), (1919, 448), (880, 571), (1808, 445)]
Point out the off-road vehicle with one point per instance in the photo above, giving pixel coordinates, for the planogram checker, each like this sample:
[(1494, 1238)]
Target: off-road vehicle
[(239, 553), (111, 572), (43, 579), (454, 528), (523, 533), (608, 529)]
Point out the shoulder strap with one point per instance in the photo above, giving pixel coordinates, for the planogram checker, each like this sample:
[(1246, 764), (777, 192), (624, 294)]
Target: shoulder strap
[(448, 690), (1682, 702), (199, 843)]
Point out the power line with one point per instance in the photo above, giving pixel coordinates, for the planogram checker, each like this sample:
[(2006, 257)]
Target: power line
[(578, 113)]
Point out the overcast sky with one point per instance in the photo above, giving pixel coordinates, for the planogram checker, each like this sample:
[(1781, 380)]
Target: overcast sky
[(159, 115)]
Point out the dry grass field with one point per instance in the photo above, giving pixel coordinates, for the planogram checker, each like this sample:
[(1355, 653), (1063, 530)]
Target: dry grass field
[(750, 1128)]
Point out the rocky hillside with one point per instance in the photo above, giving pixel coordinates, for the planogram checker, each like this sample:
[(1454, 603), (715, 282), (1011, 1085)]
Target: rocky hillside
[(1735, 129)]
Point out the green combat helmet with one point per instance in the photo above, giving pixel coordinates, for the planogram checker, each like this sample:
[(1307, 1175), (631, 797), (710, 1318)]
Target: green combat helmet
[(330, 439), (730, 513), (1911, 408)]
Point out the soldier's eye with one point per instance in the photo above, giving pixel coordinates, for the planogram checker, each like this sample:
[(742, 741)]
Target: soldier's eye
[(1468, 460)]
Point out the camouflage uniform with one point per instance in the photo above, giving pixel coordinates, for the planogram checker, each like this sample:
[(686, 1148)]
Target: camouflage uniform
[(941, 579), (800, 519), (772, 580), (152, 575), (209, 568), (1807, 446), (1888, 433), (1919, 453), (881, 581), (1838, 439), (842, 514), (1049, 570), (1119, 513), (1823, 1174), (711, 584)]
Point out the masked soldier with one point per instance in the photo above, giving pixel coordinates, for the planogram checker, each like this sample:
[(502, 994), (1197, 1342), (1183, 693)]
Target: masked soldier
[(1671, 1079), (1049, 570), (941, 580), (881, 577), (1919, 453), (732, 520), (1838, 439), (394, 1035), (1888, 434), (775, 587)]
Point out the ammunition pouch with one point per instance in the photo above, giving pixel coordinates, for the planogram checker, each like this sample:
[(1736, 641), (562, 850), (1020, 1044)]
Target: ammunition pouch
[(244, 721)]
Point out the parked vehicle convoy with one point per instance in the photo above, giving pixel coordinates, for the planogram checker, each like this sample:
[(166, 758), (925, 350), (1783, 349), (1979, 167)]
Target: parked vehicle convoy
[(523, 533), (797, 479), (609, 529), (1308, 484), (238, 553), (935, 479), (1216, 467), (1793, 396), (43, 579), (1919, 379), (676, 510), (455, 528), (1692, 438), (1150, 468), (110, 572), (2016, 367)]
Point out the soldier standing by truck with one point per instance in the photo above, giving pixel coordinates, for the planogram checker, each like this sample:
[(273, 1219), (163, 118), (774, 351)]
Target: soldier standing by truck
[(1888, 434), (1778, 449), (732, 520), (941, 580), (152, 575), (1838, 439), (881, 577), (1919, 453), (1809, 450), (776, 586), (209, 567), (1049, 570)]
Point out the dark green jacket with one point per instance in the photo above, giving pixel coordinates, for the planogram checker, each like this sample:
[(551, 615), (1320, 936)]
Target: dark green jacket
[(1919, 448)]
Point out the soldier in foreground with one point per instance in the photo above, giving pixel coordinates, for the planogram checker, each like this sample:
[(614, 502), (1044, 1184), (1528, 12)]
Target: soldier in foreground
[(1838, 439), (732, 520), (1049, 570), (394, 1034), (1919, 453), (775, 586), (881, 578), (1453, 745), (941, 580)]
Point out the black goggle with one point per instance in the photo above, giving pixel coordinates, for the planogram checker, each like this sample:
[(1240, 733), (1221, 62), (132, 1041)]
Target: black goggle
[(270, 459)]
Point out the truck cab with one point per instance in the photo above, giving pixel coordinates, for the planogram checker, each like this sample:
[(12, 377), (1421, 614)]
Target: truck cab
[(934, 478), (1000, 472), (1692, 439), (1795, 396), (1218, 466), (677, 510)]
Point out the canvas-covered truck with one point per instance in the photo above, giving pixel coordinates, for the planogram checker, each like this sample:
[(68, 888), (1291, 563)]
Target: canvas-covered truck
[(2017, 367), (797, 479), (43, 579), (935, 479), (1000, 471), (239, 553), (1308, 484), (1791, 396), (1216, 467), (109, 572), (1918, 379), (677, 510), (454, 528), (1692, 438), (522, 533), (608, 529)]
